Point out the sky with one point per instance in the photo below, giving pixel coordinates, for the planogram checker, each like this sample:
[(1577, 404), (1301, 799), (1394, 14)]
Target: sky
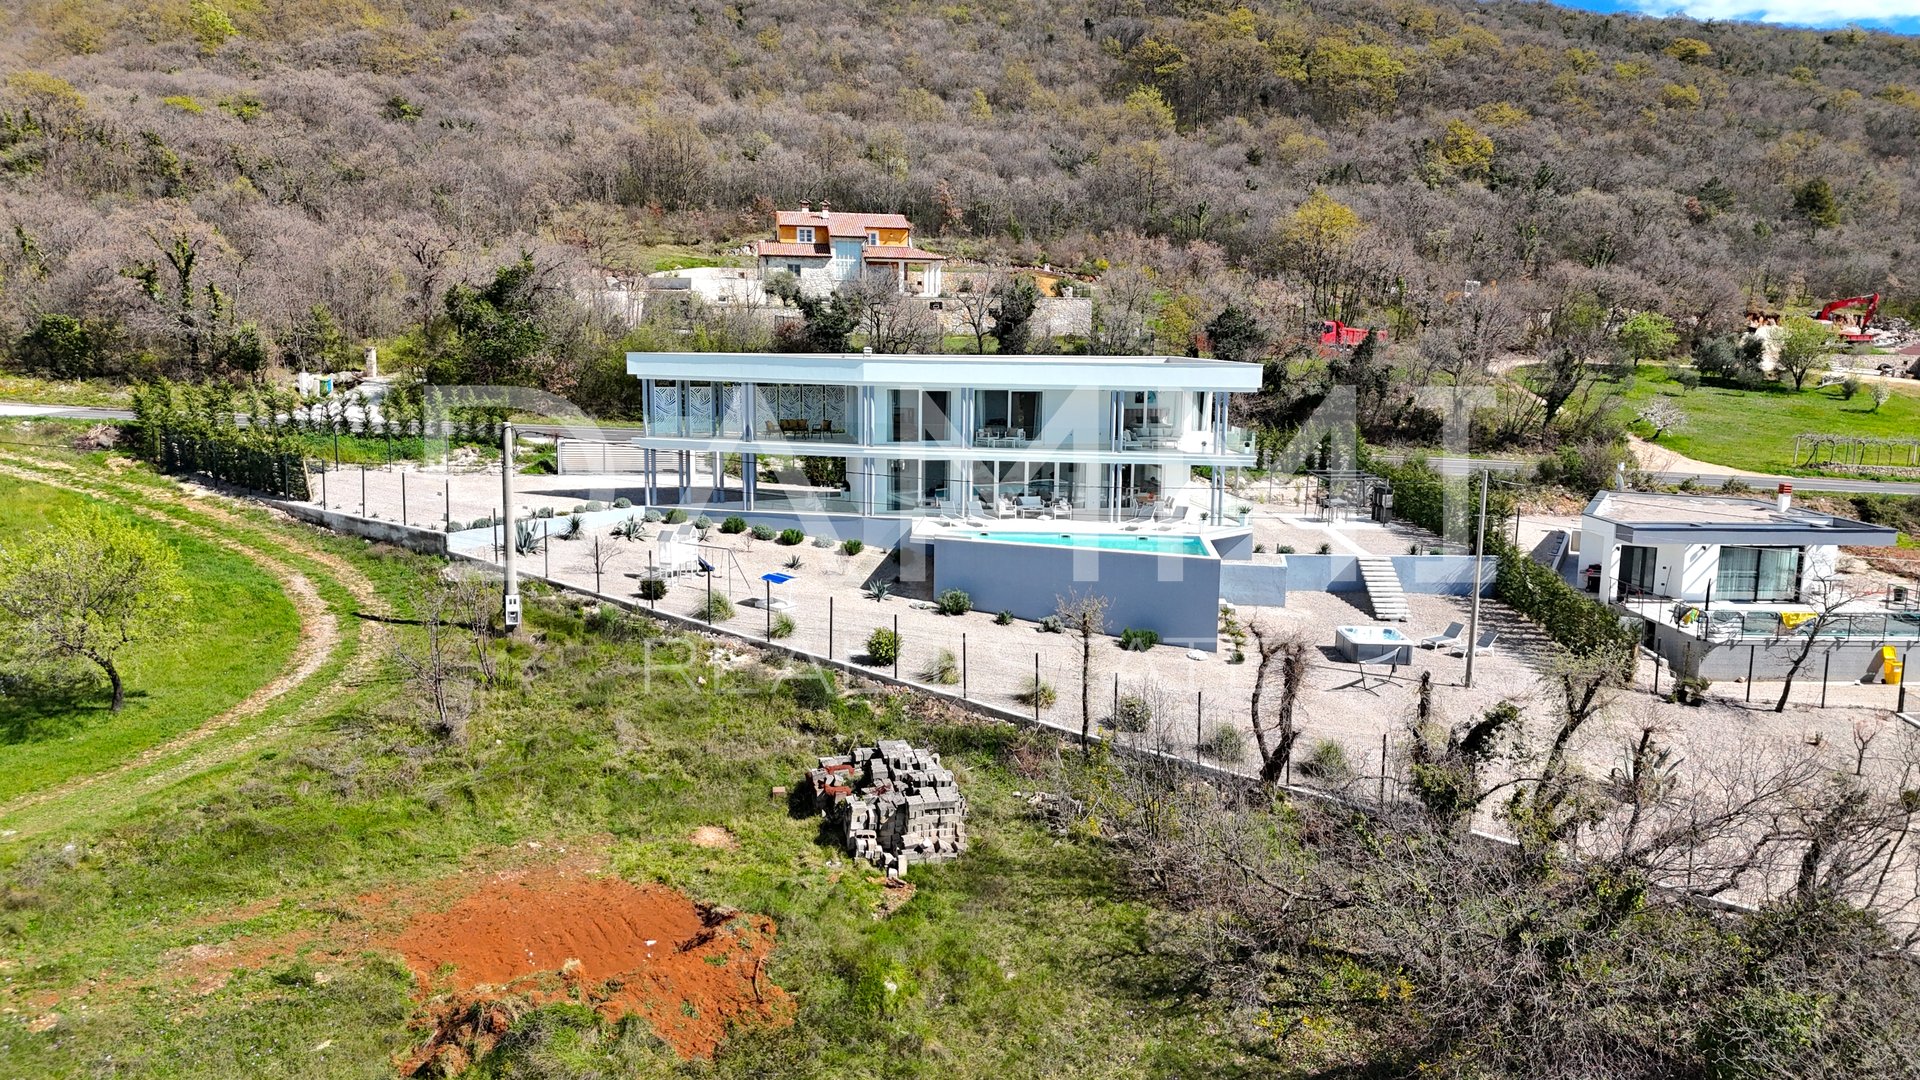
[(1899, 16)]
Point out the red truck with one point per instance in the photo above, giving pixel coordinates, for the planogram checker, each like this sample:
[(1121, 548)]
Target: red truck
[(1335, 332)]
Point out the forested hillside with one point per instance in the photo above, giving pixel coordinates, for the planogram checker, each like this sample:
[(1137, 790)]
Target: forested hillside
[(225, 184)]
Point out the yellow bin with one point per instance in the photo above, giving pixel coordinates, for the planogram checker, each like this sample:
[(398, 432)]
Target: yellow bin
[(1890, 666)]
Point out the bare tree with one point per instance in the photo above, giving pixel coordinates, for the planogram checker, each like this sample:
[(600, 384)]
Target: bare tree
[(1286, 656), (1828, 595), (893, 323), (978, 300), (440, 606), (1084, 615)]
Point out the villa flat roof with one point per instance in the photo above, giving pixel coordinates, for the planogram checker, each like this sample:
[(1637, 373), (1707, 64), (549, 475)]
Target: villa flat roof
[(953, 370), (1645, 517)]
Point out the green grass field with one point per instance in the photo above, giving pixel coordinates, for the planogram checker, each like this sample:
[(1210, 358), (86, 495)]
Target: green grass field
[(1028, 957), (1754, 428), (235, 633), (103, 393)]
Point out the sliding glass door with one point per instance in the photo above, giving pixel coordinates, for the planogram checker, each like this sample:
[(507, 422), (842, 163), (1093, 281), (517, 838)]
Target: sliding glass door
[(1758, 574)]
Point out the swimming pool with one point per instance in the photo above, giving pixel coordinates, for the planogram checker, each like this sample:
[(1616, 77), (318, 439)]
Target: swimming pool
[(1151, 543)]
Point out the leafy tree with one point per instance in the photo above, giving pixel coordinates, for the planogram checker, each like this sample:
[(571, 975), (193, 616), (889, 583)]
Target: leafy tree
[(1803, 346), (63, 347), (1814, 202), (497, 329), (86, 588), (1465, 150), (317, 343), (1018, 296), (1236, 335), (1688, 50), (1648, 335), (826, 323)]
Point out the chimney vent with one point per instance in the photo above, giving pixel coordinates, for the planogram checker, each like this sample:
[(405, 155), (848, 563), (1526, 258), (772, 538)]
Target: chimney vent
[(806, 206), (823, 206), (1783, 497)]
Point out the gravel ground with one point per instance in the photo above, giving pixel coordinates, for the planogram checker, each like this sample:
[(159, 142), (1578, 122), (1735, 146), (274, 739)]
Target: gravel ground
[(1000, 660)]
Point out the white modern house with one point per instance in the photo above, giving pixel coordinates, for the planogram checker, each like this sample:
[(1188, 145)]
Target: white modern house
[(1708, 548), (1080, 438)]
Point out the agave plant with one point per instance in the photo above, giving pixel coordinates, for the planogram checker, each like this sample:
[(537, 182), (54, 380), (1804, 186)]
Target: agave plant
[(880, 590), (525, 540), (575, 526)]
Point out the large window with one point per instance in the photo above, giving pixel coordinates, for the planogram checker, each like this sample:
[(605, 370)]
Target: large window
[(1636, 570), (1008, 413), (1758, 574), (920, 416)]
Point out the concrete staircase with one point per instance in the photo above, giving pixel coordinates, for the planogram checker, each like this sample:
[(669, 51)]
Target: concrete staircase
[(1389, 600)]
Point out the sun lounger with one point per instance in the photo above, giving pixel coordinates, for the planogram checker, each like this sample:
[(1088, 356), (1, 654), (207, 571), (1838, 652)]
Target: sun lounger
[(1482, 647), (1445, 640)]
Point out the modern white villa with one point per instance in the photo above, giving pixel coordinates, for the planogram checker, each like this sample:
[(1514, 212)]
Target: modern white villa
[(1080, 438), (1014, 478), (1706, 548)]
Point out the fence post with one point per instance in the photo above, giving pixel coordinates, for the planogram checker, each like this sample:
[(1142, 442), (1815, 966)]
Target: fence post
[(829, 627), (1199, 710), (1116, 695), (323, 482), (446, 503), (963, 665), (1382, 802), (1751, 650), (363, 491), (596, 564), (403, 497), (1826, 666), (652, 604), (1036, 688), (896, 647), (1900, 704)]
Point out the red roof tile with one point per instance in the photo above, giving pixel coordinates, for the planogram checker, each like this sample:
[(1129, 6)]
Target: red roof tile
[(777, 248), (839, 224)]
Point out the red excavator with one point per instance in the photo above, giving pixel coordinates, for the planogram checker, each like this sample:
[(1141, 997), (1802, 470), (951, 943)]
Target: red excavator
[(1852, 329)]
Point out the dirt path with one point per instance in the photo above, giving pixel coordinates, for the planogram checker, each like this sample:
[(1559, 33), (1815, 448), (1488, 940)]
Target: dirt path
[(1656, 458), (320, 635)]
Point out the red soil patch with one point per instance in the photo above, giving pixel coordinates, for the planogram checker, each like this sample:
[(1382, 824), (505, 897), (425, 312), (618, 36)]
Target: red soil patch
[(534, 938)]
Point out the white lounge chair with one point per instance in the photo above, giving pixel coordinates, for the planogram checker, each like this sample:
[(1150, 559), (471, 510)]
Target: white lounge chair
[(1483, 647), (1446, 639)]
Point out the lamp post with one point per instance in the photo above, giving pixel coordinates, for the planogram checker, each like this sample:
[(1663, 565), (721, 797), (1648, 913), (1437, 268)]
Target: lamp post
[(1479, 549), (510, 595)]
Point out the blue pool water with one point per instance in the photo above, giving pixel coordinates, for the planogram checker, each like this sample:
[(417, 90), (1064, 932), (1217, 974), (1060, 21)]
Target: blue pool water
[(1153, 543)]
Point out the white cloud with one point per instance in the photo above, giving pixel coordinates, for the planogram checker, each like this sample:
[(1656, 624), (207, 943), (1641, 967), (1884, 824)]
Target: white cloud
[(1792, 12)]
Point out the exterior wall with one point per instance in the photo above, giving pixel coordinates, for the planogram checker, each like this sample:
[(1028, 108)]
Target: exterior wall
[(1267, 581), (1842, 661), (1597, 546), (424, 541), (1176, 596), (1685, 571)]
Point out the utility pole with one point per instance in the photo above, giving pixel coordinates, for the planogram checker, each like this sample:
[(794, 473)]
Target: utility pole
[(510, 599), (1479, 550)]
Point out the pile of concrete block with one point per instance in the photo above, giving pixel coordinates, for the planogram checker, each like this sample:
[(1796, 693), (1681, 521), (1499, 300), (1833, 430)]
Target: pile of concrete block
[(893, 804)]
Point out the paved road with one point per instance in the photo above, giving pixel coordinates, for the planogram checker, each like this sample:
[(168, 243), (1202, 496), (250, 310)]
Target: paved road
[(63, 412), (1462, 466)]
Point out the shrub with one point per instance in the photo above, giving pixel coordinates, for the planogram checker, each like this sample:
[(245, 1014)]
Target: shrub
[(572, 530), (714, 607), (622, 503), (652, 588), (823, 542), (782, 626), (814, 690), (1327, 760), (1691, 690), (653, 516), (703, 522), (852, 546), (944, 671), (1004, 618), (544, 512), (455, 525), (733, 525), (1326, 549), (595, 505), (1284, 549), (791, 537), (761, 532), (1580, 624), (1037, 692), (1687, 378), (1138, 639), (1052, 625), (955, 602), (1131, 714), (675, 516), (1259, 549), (1849, 387), (578, 508), (1226, 744), (883, 648)]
